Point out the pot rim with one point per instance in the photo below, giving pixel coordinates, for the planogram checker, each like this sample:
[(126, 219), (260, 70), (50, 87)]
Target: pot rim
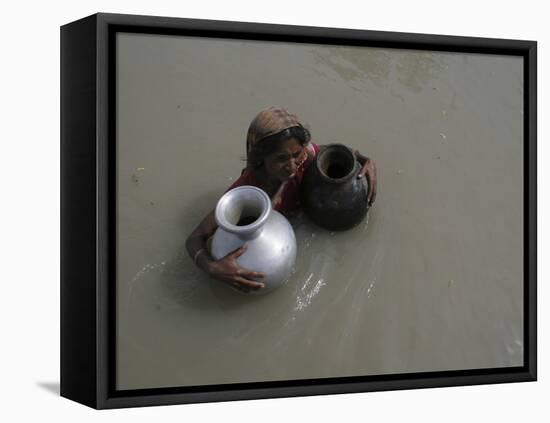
[(335, 147), (265, 204)]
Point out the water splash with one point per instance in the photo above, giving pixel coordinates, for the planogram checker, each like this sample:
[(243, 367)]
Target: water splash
[(303, 301), (306, 283), (371, 286), (514, 351), (148, 268)]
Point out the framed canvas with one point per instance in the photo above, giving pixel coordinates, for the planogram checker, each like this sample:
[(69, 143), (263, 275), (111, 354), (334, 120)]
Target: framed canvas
[(435, 286)]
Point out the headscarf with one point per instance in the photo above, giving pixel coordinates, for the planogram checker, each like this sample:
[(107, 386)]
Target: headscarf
[(270, 121)]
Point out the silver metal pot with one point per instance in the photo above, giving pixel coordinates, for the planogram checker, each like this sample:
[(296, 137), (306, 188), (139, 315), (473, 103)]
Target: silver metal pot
[(244, 215)]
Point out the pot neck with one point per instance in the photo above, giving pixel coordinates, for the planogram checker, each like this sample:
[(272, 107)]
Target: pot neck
[(336, 163), (243, 211)]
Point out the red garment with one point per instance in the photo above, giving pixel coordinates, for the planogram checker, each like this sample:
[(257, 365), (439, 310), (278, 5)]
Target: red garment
[(290, 195)]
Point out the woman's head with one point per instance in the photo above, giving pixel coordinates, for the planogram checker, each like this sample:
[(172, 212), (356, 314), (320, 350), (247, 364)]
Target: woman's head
[(276, 140)]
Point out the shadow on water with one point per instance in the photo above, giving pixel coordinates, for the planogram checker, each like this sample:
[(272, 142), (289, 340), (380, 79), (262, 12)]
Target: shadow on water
[(189, 286), (186, 284)]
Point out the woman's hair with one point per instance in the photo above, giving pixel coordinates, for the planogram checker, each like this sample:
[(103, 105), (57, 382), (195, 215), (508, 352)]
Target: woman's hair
[(268, 145)]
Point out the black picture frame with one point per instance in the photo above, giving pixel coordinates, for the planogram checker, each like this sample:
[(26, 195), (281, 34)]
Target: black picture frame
[(88, 166)]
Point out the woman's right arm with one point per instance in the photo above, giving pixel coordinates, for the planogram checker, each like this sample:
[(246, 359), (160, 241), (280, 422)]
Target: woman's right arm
[(226, 269)]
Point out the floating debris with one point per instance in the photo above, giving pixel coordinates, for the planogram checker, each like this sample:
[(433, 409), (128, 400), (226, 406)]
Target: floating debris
[(152, 203), (135, 178), (443, 112), (399, 172), (442, 135), (438, 157), (451, 281), (139, 169)]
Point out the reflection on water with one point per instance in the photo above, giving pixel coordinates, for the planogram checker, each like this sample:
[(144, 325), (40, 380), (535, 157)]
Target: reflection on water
[(374, 64), (431, 280), (414, 70)]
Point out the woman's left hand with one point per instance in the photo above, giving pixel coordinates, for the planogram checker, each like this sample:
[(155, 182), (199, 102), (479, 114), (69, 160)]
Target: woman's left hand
[(369, 170)]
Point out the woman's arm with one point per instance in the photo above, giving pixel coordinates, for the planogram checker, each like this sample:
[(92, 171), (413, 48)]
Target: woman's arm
[(226, 269), (196, 242), (368, 169)]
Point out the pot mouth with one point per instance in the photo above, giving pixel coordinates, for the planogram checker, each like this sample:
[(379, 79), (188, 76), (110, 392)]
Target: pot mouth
[(336, 163), (243, 210)]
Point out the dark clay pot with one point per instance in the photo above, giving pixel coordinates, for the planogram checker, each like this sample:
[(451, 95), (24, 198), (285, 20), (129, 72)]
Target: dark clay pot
[(332, 196)]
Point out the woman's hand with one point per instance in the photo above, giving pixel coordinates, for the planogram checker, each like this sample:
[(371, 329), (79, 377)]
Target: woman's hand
[(368, 169), (228, 270)]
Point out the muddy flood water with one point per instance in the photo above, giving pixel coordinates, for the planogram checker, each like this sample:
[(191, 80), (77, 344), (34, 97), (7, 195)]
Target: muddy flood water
[(431, 280)]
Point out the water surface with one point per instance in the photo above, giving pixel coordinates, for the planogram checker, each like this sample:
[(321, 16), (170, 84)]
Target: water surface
[(432, 280)]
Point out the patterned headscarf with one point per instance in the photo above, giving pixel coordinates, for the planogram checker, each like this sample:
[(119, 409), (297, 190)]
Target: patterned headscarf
[(270, 121)]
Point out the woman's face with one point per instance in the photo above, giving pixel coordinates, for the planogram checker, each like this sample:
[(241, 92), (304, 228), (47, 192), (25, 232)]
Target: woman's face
[(281, 165)]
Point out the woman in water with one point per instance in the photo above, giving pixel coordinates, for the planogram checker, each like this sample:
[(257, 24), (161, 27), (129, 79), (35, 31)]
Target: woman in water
[(278, 152)]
